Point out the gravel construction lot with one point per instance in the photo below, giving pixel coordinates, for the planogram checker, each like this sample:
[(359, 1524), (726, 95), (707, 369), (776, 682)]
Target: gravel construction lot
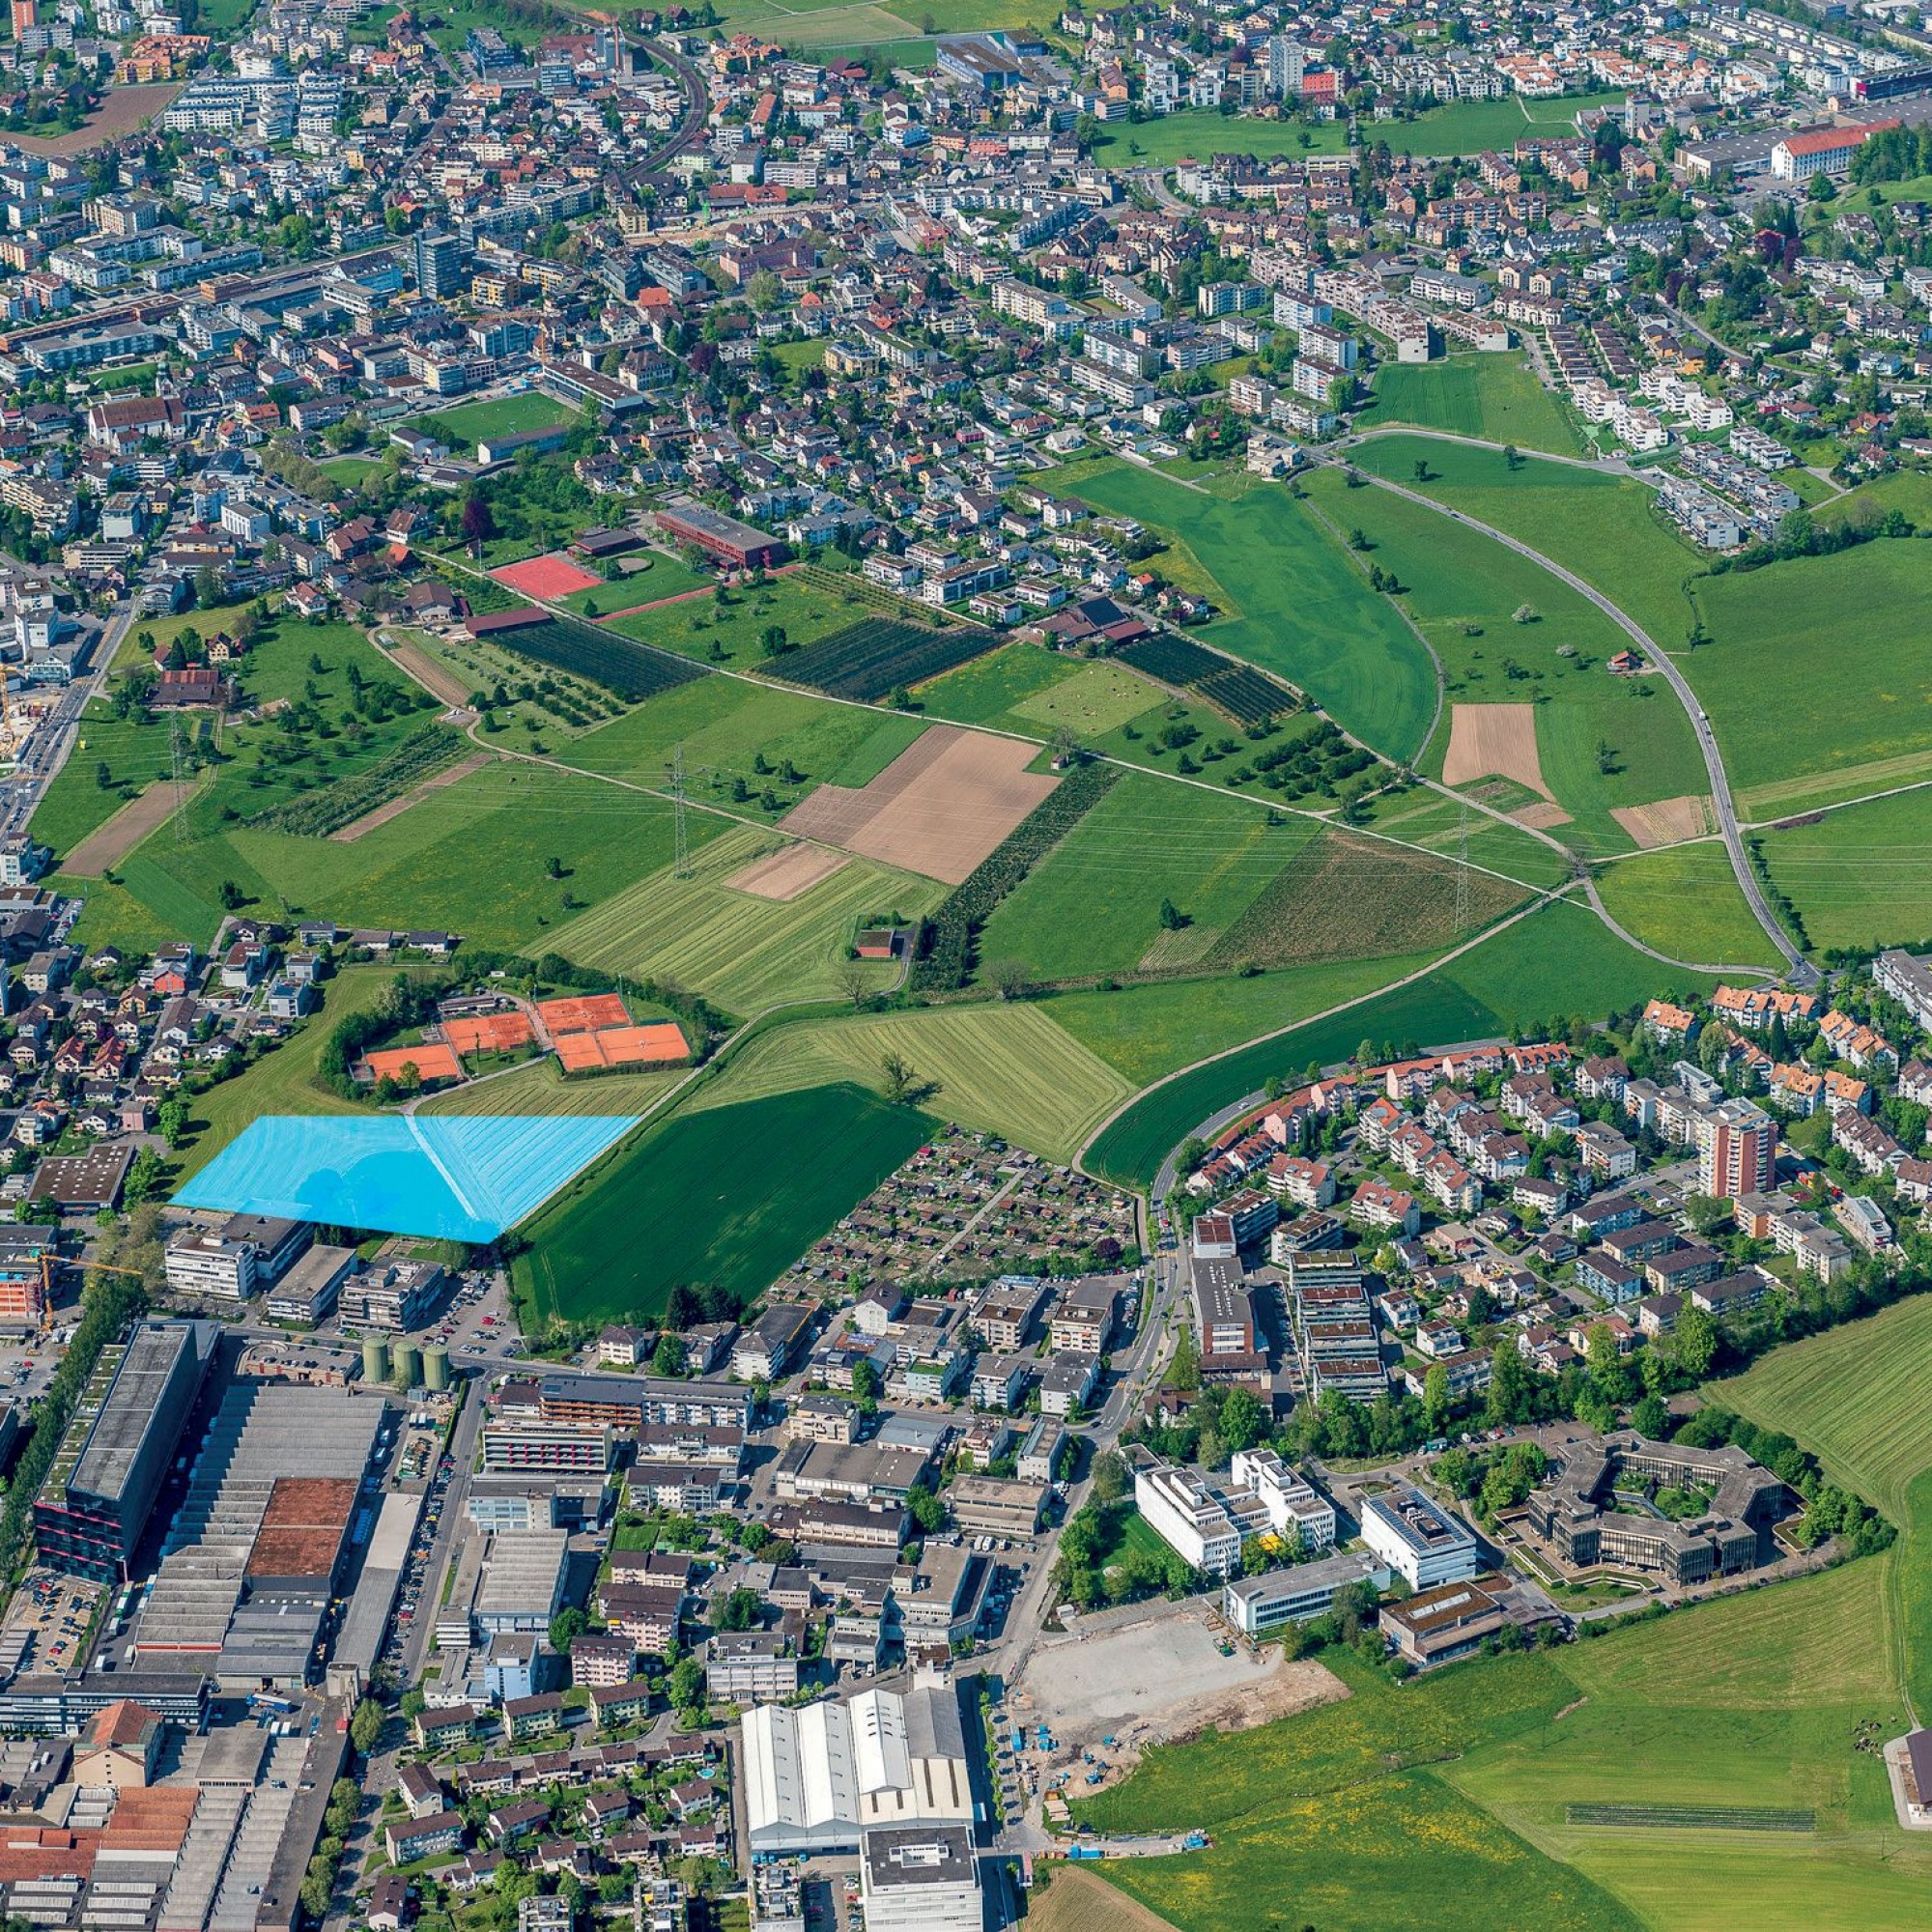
[(1164, 1679)]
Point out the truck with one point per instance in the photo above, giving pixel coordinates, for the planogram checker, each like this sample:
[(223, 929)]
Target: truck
[(1086, 1851)]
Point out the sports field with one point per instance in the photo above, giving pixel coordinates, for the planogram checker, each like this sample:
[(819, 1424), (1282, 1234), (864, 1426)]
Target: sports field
[(1296, 605), (468, 423), (1477, 393), (1772, 630), (1008, 1068), (732, 1196), (1686, 903), (1860, 875), (743, 951), (729, 627)]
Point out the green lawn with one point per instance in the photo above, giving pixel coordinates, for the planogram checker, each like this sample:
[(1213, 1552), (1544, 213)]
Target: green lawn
[(732, 1196), (1602, 527), (1196, 134), (728, 628), (1686, 903), (660, 577), (1477, 393), (1296, 604), (1094, 905), (76, 803), (1861, 875), (501, 415), (985, 691), (1776, 633), (1468, 126), (1458, 581)]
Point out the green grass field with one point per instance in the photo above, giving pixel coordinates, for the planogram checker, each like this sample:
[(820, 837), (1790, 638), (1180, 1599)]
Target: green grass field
[(731, 632), (1559, 960), (1008, 1068), (538, 1087), (652, 578), (76, 803), (1686, 903), (1148, 1030), (744, 951), (284, 1081), (732, 1196), (1601, 527), (989, 690), (1860, 875), (726, 725), (1482, 394), (1457, 1788), (1296, 605), (468, 424), (1468, 126), (1094, 905), (1774, 631), (1427, 819), (1198, 132), (1458, 581)]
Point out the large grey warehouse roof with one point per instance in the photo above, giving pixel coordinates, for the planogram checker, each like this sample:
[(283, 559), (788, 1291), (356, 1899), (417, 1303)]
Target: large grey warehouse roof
[(130, 1409)]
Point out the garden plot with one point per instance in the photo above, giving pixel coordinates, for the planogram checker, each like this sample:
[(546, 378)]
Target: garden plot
[(788, 874), (1667, 822)]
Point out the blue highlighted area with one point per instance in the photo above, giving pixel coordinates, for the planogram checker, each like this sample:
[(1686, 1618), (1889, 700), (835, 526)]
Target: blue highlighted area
[(457, 1179)]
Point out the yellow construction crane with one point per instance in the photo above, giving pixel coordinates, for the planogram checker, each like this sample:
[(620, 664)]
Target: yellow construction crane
[(11, 737)]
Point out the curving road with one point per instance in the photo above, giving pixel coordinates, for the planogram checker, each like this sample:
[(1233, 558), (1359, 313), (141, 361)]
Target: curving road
[(1801, 971)]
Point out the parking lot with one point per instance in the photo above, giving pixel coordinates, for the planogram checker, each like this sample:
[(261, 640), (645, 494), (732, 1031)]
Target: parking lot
[(52, 1614)]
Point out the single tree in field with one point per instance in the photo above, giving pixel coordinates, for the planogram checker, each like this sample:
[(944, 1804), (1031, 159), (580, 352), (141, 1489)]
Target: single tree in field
[(901, 1080), (478, 524), (853, 984)]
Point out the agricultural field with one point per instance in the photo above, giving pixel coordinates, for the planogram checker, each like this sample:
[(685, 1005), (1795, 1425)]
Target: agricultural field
[(632, 670), (743, 952), (1418, 816), (1094, 905), (1605, 527), (1463, 592), (416, 758), (1686, 903), (503, 856), (642, 577), (733, 1196), (1290, 593), (1007, 1069), (1860, 875), (990, 689), (113, 759), (468, 424), (538, 1087), (876, 656), (1771, 630), (1149, 1028), (1477, 393), (1533, 968), (729, 727), (730, 627), (1198, 132), (1468, 126), (1099, 698)]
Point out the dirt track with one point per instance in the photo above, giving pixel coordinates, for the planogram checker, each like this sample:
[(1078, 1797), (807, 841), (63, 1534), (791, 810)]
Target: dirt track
[(440, 682)]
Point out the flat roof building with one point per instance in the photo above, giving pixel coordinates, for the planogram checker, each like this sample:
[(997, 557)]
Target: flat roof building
[(1259, 1606), (920, 1878), (1420, 1541)]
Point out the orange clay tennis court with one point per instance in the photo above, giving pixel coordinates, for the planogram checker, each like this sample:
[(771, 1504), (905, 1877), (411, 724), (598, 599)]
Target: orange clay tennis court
[(658, 1043), (431, 1062), (590, 1012), (551, 576), (489, 1033)]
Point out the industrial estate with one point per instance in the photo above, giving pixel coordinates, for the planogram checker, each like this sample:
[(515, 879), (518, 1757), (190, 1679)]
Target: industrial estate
[(965, 966)]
